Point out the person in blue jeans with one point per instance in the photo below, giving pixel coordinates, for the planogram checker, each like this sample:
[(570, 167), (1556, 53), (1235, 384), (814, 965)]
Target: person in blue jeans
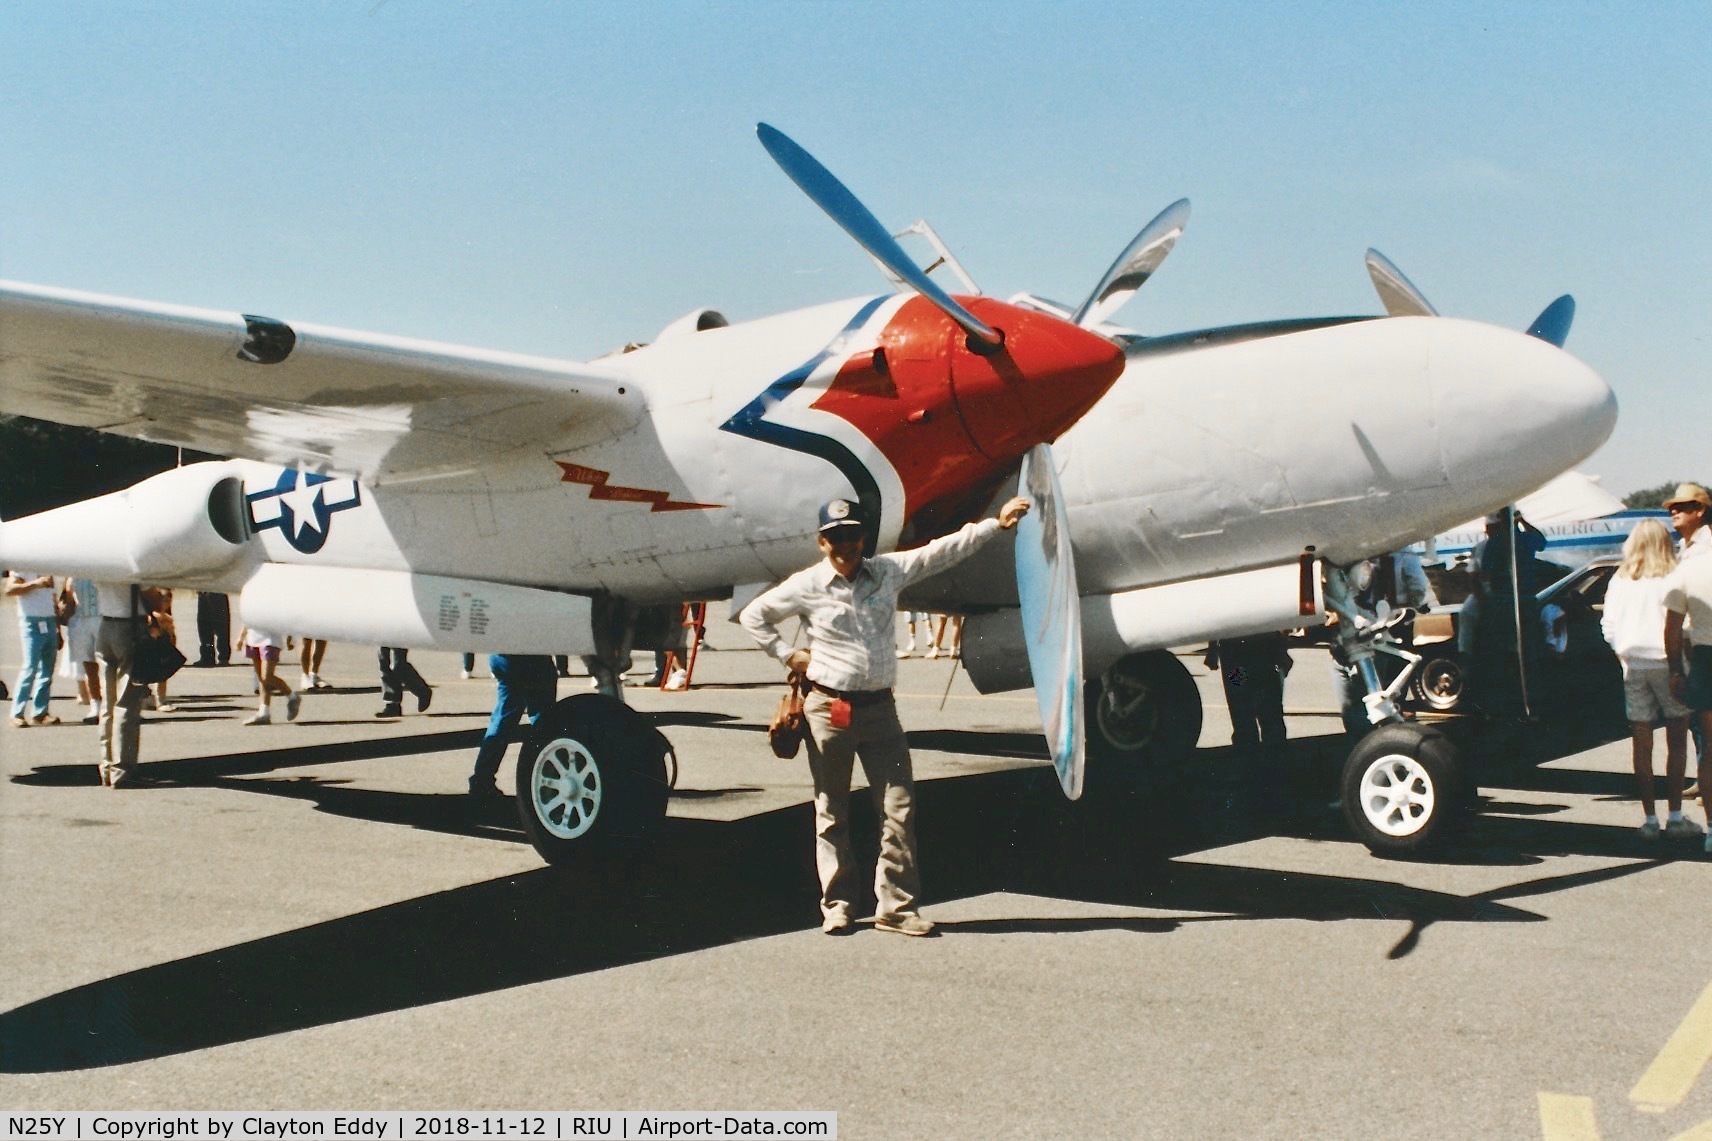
[(528, 683), (38, 635)]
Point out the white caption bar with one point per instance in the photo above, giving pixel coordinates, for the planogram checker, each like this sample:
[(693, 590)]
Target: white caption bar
[(408, 1126)]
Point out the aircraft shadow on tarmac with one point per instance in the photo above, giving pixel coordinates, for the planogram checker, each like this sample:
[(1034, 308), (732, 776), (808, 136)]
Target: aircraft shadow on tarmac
[(701, 884)]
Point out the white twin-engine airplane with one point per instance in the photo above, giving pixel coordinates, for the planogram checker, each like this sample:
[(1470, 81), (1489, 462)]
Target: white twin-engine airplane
[(397, 492)]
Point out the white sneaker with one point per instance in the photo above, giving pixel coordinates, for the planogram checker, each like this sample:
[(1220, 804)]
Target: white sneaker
[(262, 717), (292, 705), (304, 681), (465, 674), (678, 680)]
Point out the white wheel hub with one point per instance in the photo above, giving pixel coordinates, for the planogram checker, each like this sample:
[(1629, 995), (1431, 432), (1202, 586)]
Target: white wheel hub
[(1397, 794), (565, 788)]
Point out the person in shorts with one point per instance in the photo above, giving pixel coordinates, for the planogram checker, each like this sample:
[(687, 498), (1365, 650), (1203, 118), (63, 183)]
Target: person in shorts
[(1633, 623), (263, 648)]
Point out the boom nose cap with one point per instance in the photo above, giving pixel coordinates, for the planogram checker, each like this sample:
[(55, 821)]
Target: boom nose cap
[(1589, 406), (1047, 376), (1513, 410)]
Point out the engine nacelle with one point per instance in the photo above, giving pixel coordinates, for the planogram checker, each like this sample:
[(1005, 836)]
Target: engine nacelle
[(1152, 618), (416, 611), (186, 527)]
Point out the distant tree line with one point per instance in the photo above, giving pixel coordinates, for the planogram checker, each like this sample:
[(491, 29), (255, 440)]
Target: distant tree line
[(1654, 496), (45, 465)]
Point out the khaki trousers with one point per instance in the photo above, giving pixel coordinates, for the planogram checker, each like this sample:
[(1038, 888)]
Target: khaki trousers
[(121, 698), (875, 735)]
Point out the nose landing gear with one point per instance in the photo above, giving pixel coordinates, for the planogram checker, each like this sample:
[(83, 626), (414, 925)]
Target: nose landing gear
[(1400, 788), (1401, 783)]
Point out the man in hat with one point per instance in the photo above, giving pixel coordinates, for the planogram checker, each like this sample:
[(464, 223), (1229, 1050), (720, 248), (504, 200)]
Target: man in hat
[(848, 604), (1687, 507), (1688, 599)]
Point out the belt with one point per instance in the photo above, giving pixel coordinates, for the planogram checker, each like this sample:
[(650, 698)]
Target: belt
[(854, 696)]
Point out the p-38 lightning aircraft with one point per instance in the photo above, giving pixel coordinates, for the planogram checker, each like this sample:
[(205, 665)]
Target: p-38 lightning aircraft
[(387, 491)]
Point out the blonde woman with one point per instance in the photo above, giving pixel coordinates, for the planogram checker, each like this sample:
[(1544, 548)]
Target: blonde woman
[(1634, 625)]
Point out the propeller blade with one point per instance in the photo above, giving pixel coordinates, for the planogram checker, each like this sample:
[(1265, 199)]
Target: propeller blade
[(843, 207), (1139, 261), (1399, 294), (1051, 615), (1552, 325)]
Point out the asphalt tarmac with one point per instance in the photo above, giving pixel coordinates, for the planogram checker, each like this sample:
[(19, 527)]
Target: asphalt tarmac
[(312, 916)]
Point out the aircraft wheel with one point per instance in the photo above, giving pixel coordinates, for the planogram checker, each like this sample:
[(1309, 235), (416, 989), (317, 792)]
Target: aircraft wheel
[(1440, 682), (1401, 788), (1143, 713), (591, 776)]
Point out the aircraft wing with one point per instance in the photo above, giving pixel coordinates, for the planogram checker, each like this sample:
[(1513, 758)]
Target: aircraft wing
[(304, 396)]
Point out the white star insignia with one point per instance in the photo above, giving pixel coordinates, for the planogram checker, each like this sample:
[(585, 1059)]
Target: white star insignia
[(303, 500)]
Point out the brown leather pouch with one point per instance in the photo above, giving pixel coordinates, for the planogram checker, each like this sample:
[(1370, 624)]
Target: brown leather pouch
[(789, 726)]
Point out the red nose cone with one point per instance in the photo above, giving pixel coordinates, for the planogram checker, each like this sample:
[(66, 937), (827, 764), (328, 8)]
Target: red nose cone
[(1047, 375), (949, 422)]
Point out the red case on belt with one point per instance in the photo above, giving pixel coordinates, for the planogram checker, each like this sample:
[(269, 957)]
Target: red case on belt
[(838, 713)]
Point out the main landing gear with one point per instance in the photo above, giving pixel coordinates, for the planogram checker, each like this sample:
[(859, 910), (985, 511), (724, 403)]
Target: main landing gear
[(591, 778), (1143, 716)]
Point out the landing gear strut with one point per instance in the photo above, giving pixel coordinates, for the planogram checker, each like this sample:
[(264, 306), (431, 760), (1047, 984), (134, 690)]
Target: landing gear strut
[(1402, 782)]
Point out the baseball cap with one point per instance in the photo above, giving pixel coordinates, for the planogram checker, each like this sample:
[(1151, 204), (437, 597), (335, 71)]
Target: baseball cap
[(1689, 493), (839, 513)]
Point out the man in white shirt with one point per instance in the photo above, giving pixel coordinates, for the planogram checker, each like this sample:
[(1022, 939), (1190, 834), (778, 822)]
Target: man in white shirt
[(1688, 507), (1688, 596), (849, 605), (122, 612)]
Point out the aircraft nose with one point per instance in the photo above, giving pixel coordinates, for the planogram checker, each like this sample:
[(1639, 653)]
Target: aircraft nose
[(1048, 374), (1513, 411)]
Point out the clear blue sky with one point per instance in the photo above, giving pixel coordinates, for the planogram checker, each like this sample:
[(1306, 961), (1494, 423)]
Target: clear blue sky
[(562, 178)]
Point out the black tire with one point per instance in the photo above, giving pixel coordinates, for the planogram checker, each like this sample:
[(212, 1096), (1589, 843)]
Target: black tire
[(591, 777), (1401, 789), (1440, 681), (1143, 716)]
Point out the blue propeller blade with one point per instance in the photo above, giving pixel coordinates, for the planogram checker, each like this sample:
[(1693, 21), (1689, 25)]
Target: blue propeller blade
[(1553, 324), (843, 207)]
